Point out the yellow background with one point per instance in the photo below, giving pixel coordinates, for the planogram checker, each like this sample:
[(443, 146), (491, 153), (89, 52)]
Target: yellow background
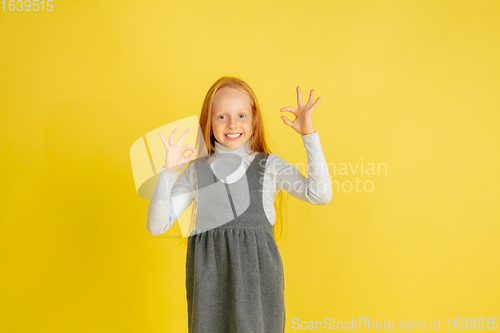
[(413, 84)]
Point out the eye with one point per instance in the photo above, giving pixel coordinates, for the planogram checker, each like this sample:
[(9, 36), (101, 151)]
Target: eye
[(243, 115), (219, 117)]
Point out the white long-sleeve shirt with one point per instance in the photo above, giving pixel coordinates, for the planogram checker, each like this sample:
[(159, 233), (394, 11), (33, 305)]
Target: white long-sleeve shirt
[(172, 196)]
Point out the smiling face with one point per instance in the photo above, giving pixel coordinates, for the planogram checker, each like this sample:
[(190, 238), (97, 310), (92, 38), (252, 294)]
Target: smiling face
[(232, 117)]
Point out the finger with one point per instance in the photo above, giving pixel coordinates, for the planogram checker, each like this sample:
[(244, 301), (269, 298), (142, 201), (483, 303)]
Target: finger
[(292, 110), (315, 103), (171, 138), (299, 97), (183, 135), (189, 148), (164, 140), (311, 98), (191, 156), (287, 121)]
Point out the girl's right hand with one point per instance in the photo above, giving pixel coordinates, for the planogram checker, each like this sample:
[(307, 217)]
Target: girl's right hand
[(175, 159)]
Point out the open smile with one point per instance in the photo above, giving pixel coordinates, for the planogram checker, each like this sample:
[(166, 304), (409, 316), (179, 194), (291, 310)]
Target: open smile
[(233, 136)]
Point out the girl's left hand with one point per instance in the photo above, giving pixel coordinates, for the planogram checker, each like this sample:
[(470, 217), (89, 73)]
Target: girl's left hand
[(302, 123)]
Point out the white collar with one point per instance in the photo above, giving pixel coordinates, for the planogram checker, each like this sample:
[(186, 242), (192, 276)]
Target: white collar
[(242, 151)]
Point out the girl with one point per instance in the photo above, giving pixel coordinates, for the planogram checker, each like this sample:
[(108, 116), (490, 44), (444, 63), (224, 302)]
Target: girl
[(234, 271)]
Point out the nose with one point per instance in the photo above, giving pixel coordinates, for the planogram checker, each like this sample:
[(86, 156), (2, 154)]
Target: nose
[(232, 123)]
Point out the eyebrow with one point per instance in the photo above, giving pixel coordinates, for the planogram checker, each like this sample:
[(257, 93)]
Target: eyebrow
[(220, 111)]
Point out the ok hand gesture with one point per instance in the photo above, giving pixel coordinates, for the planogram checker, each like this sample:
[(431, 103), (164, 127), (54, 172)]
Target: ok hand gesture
[(302, 123), (174, 159)]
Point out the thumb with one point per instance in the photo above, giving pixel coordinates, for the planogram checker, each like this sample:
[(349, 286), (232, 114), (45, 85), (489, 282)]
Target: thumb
[(287, 121)]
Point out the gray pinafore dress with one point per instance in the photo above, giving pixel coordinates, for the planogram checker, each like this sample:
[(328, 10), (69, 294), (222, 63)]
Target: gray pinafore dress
[(234, 272)]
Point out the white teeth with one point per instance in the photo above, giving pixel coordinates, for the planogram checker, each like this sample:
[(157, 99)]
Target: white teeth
[(232, 136)]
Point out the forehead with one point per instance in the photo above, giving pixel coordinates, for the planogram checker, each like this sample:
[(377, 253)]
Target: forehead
[(231, 99)]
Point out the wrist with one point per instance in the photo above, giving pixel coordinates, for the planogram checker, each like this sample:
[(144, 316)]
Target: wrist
[(308, 131), (171, 169)]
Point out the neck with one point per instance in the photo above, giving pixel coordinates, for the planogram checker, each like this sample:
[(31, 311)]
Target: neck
[(244, 149)]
